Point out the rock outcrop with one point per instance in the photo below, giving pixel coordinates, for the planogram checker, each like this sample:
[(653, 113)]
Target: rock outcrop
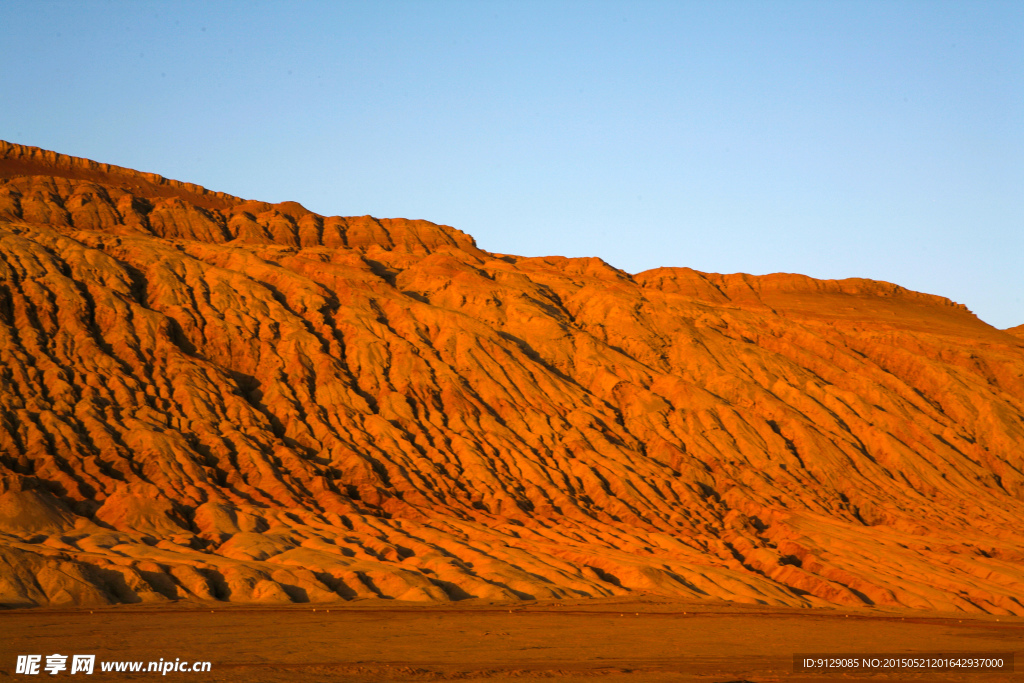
[(208, 398)]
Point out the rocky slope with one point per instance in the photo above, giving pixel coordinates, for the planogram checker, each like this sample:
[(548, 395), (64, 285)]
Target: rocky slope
[(208, 398)]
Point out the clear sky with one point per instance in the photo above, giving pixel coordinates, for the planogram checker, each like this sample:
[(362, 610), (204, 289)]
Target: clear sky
[(836, 139)]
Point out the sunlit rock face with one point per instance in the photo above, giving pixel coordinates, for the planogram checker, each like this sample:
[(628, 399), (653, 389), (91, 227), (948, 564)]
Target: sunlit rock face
[(208, 398)]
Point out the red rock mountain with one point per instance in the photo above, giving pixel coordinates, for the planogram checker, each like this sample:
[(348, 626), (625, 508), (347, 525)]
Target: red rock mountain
[(208, 398)]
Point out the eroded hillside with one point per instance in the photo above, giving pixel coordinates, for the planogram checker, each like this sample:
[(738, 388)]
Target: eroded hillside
[(208, 398)]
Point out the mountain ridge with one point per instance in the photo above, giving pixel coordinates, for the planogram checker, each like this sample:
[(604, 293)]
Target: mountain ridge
[(210, 398)]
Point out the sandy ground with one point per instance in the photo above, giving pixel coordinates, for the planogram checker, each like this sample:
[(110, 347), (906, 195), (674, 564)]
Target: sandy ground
[(607, 641)]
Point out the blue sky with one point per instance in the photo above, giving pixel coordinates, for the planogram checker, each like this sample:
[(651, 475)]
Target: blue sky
[(836, 139)]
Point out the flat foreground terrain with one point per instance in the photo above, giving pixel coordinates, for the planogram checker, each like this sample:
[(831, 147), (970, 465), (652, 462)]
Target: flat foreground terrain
[(606, 641)]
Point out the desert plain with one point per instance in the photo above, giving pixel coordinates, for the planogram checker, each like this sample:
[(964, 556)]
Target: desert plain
[(221, 418), (601, 640)]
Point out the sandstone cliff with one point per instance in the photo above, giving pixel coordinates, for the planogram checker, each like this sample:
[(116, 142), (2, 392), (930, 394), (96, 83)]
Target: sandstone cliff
[(208, 398)]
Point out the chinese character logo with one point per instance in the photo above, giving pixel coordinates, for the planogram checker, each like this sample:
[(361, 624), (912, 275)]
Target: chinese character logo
[(28, 664), (83, 664)]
